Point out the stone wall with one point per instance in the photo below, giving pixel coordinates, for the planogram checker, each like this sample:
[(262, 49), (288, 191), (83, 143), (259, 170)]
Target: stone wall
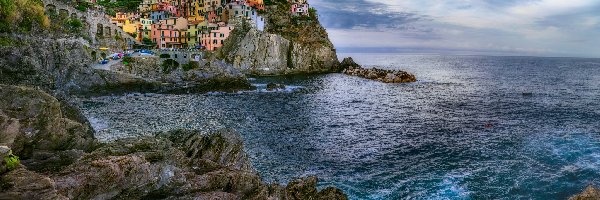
[(98, 23)]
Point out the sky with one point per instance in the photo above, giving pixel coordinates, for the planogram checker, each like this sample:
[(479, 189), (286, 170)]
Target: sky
[(486, 27)]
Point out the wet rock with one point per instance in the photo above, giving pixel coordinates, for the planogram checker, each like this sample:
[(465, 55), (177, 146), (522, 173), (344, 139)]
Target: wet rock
[(590, 193), (382, 75), (275, 86)]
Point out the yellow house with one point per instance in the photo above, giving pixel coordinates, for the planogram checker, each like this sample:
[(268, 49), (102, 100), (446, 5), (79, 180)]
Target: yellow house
[(198, 7), (131, 28), (194, 30)]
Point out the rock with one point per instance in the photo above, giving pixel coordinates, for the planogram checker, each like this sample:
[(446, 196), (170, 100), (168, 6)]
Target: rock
[(4, 151), (386, 76), (171, 165), (590, 193), (24, 184), (275, 86), (275, 53), (348, 63), (331, 193), (33, 124)]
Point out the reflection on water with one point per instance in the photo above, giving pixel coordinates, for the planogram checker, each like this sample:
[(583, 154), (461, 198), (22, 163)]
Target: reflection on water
[(471, 128)]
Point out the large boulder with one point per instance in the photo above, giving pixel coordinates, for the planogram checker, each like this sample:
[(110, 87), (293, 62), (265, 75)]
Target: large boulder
[(32, 124)]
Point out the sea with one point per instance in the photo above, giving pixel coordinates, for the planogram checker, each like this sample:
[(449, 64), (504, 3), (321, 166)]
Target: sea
[(471, 127)]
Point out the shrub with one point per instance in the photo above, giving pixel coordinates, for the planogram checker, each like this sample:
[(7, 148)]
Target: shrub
[(103, 55), (22, 15), (190, 66), (169, 65), (127, 60), (11, 161), (165, 56), (74, 25)]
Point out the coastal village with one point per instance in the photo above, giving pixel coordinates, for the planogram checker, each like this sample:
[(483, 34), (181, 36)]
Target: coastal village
[(193, 24)]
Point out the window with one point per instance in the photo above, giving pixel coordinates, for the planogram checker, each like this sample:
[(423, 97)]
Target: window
[(221, 41)]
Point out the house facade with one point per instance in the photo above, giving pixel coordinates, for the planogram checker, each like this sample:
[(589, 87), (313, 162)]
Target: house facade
[(170, 33), (214, 39)]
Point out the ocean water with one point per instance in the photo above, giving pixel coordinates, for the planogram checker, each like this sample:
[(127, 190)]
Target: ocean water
[(472, 127)]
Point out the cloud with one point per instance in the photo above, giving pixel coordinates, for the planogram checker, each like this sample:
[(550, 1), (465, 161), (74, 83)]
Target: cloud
[(524, 27)]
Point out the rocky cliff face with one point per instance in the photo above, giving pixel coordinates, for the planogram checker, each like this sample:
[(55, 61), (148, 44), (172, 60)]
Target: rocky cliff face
[(61, 160), (34, 126), (62, 65), (289, 45)]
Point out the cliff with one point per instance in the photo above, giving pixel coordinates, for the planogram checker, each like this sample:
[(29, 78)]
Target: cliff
[(61, 160), (288, 45)]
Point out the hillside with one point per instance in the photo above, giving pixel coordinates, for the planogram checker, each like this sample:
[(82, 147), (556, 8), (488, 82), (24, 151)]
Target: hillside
[(288, 45)]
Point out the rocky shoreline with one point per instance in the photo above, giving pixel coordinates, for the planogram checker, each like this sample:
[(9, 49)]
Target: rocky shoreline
[(61, 159), (382, 75)]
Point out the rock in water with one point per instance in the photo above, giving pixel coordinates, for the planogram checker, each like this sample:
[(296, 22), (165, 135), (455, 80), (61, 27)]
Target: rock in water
[(348, 63), (275, 86), (386, 76), (590, 193)]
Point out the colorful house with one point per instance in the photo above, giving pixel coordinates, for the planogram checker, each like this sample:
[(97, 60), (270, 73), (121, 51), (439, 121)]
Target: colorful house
[(132, 28), (170, 33), (146, 27), (120, 19), (239, 8), (257, 4), (193, 31), (214, 39), (300, 9), (157, 15)]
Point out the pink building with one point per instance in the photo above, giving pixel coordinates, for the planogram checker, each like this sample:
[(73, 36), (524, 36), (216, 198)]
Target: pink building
[(215, 38), (172, 9), (300, 9), (169, 33)]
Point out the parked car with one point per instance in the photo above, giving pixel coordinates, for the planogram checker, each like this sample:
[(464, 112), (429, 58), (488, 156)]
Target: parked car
[(146, 51), (104, 61)]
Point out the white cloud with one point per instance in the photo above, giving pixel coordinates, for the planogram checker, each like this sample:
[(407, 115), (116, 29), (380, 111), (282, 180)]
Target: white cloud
[(537, 26)]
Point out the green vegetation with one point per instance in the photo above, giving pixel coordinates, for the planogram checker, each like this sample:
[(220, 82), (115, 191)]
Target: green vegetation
[(312, 12), (190, 66), (11, 161), (148, 41), (127, 60), (22, 15), (121, 5), (165, 56), (169, 65), (74, 25), (103, 55), (111, 12), (6, 41), (83, 6)]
